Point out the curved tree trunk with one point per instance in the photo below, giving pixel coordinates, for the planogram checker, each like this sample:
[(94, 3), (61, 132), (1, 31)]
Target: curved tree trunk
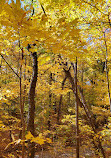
[(31, 113)]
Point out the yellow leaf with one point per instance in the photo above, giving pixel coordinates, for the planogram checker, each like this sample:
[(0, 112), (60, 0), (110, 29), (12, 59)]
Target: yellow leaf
[(39, 140), (29, 136)]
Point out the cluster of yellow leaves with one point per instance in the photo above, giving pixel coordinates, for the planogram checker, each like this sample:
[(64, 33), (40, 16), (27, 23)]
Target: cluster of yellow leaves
[(43, 59), (59, 91), (69, 118), (39, 139), (107, 132), (100, 111), (64, 36)]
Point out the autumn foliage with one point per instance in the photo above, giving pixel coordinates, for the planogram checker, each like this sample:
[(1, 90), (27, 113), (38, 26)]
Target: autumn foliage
[(55, 82)]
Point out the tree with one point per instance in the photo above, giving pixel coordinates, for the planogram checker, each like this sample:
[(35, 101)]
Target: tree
[(73, 31)]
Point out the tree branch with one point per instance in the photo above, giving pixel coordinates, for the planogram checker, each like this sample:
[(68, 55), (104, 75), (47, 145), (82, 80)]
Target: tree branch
[(10, 66)]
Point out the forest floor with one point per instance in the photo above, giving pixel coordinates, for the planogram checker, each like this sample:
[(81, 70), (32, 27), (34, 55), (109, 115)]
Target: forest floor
[(54, 152)]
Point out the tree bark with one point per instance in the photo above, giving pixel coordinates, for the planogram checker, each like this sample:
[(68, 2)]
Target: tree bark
[(22, 119), (22, 108), (77, 112), (31, 113), (23, 124)]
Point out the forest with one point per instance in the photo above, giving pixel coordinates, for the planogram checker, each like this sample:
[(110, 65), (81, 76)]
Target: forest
[(55, 79)]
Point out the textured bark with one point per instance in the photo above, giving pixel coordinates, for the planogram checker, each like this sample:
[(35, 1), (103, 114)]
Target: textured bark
[(31, 113)]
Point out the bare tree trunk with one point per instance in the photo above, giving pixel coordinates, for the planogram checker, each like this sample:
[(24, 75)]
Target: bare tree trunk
[(31, 113)]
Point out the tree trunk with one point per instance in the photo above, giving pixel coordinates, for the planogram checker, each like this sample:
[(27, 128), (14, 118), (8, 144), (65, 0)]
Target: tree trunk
[(107, 71), (31, 113), (23, 124), (22, 120), (76, 107), (22, 108), (77, 113), (87, 111)]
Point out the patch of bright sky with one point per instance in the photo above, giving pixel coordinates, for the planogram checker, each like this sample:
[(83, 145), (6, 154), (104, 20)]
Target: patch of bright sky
[(15, 1), (10, 1)]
